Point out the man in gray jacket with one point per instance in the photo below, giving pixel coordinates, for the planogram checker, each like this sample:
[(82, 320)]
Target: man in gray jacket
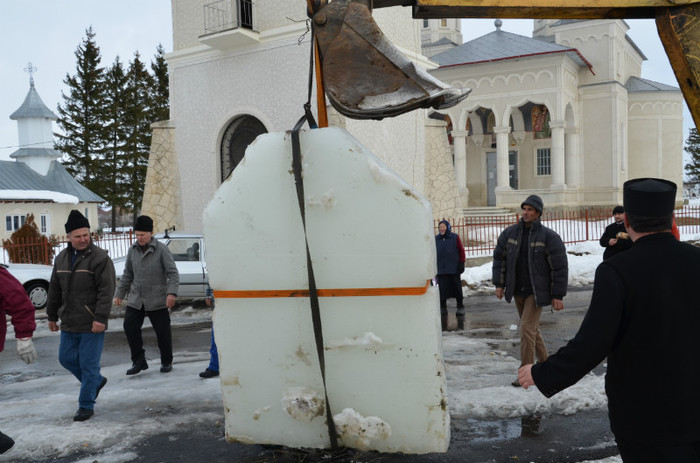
[(151, 279)]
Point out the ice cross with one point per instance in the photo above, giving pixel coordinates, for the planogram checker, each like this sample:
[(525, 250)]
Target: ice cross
[(31, 69)]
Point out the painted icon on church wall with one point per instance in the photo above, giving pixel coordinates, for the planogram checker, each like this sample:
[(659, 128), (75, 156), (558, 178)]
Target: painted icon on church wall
[(540, 122)]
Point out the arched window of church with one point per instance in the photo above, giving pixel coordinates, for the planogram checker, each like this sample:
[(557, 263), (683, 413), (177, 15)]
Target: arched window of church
[(238, 135), (490, 122)]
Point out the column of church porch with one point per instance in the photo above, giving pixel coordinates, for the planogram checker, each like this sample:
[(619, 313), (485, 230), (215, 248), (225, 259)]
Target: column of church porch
[(573, 174), (460, 139), (557, 158), (502, 164)]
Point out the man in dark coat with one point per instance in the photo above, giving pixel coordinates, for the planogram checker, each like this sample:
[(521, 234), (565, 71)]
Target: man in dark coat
[(529, 263), (644, 318), (615, 239), (80, 295)]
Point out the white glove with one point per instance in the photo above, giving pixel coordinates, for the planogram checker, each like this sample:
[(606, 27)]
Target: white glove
[(26, 350)]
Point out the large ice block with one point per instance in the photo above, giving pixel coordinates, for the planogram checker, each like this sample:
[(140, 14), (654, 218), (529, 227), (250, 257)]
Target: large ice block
[(371, 241)]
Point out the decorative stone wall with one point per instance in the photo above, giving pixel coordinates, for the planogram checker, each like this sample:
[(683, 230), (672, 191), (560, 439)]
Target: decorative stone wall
[(161, 194), (440, 182)]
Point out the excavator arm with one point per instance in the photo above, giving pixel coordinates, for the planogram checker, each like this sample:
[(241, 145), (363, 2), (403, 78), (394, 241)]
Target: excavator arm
[(367, 77)]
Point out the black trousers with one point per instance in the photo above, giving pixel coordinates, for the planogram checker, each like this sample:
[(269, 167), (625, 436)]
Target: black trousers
[(160, 319), (633, 451)]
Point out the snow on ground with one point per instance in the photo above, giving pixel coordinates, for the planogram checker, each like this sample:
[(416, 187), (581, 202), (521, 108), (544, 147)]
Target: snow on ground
[(38, 413)]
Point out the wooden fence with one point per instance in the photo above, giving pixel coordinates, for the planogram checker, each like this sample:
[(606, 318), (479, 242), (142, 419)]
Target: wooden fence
[(31, 251)]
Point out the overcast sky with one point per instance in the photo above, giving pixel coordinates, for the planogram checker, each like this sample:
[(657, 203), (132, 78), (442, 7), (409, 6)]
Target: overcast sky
[(47, 33)]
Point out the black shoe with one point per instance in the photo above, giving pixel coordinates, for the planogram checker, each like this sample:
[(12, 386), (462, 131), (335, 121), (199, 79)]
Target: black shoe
[(208, 374), (99, 388), (6, 442), (83, 414), (166, 368), (138, 366)]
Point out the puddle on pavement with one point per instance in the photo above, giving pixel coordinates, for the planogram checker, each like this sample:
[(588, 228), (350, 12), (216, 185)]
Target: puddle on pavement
[(494, 431)]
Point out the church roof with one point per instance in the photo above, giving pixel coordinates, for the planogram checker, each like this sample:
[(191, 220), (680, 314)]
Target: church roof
[(637, 84), (33, 107), (19, 176), (500, 45)]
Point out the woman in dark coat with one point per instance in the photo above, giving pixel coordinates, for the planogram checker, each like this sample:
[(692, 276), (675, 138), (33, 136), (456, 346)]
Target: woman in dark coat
[(450, 264)]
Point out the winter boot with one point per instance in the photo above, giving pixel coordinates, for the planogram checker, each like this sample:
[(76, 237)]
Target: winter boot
[(138, 365), (6, 443)]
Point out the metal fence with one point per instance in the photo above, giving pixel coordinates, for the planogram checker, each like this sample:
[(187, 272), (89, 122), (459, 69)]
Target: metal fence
[(480, 234)]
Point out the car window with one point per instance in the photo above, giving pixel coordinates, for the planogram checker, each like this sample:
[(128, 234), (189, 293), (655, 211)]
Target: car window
[(184, 249)]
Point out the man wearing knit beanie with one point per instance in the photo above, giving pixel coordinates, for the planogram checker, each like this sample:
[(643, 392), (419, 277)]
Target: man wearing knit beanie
[(530, 266), (81, 289), (151, 280)]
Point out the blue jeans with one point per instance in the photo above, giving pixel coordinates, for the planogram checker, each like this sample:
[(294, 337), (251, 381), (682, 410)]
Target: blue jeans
[(80, 354), (214, 358)]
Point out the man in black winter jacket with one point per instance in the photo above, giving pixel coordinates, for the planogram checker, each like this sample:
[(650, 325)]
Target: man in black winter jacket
[(530, 265), (644, 318), (615, 239)]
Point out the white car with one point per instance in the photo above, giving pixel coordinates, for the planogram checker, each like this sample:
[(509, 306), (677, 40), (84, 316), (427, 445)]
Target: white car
[(35, 278), (188, 252)]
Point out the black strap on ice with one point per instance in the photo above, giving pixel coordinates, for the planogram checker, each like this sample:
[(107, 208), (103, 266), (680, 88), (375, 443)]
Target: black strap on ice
[(313, 293)]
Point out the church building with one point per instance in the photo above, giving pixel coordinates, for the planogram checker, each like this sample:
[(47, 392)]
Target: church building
[(564, 114), (35, 182)]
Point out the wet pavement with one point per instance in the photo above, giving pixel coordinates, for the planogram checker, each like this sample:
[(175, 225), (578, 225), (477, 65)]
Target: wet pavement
[(548, 438)]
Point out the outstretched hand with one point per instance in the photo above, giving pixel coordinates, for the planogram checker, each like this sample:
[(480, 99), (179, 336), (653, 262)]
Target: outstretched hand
[(525, 376)]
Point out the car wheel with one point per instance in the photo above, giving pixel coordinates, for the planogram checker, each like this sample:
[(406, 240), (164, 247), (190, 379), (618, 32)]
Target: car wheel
[(38, 293)]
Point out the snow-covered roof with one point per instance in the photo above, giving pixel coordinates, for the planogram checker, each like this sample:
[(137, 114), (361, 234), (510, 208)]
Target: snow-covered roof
[(637, 84), (18, 176), (500, 45), (33, 106)]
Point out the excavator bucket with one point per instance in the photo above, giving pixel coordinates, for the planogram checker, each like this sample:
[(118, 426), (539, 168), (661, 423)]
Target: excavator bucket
[(364, 75)]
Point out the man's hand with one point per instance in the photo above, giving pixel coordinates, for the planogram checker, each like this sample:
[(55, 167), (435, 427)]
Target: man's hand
[(525, 376), (612, 242), (26, 350), (170, 301), (53, 326), (98, 327), (557, 304), (499, 293), (117, 301)]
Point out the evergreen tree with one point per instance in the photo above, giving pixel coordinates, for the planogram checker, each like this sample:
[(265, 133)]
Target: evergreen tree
[(115, 186), (81, 117), (137, 123), (160, 92), (692, 147)]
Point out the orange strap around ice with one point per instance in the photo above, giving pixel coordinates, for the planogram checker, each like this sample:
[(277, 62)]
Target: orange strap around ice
[(340, 292)]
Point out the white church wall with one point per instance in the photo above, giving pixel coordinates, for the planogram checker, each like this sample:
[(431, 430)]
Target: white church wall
[(268, 80), (656, 140)]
